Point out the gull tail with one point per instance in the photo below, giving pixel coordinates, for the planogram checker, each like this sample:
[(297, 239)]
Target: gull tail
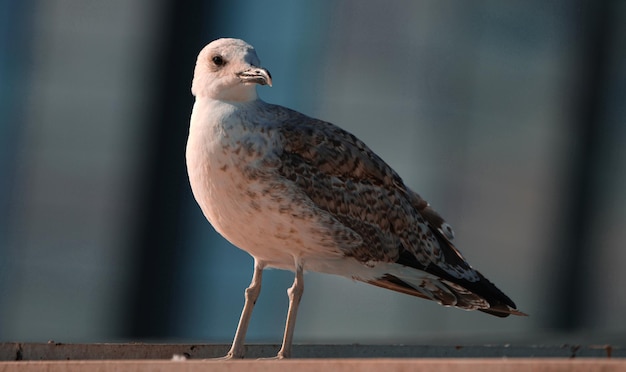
[(441, 282), (446, 293)]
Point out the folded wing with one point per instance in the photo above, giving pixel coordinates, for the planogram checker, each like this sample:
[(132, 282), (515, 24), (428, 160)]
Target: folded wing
[(388, 222)]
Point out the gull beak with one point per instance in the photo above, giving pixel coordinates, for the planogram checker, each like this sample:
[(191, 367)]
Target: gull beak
[(257, 75)]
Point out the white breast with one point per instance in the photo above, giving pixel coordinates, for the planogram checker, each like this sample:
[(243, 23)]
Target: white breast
[(230, 169)]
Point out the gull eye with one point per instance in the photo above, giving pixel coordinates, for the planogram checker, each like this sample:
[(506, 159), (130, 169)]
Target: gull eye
[(218, 61)]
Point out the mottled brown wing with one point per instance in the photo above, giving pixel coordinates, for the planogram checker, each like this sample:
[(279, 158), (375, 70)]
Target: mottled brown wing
[(343, 177)]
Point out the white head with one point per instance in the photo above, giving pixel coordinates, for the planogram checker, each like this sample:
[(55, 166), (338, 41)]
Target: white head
[(228, 70)]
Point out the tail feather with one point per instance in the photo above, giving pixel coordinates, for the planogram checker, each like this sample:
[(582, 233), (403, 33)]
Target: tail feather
[(443, 292), (452, 262), (474, 292)]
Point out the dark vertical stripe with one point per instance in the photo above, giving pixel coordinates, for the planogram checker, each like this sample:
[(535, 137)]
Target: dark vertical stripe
[(152, 299), (593, 33)]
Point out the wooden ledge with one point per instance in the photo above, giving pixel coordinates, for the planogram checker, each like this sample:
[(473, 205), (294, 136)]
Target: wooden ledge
[(339, 365), (140, 351)]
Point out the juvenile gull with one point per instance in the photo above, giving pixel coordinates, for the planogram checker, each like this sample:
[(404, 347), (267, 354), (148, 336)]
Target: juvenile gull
[(299, 194)]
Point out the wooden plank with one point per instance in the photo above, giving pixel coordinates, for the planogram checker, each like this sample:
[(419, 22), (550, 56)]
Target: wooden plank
[(140, 351), (339, 365)]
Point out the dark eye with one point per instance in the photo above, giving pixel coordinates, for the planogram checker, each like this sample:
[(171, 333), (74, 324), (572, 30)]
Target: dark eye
[(218, 60)]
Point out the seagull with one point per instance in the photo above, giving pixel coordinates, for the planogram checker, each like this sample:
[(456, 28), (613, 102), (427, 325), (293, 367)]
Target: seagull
[(298, 193)]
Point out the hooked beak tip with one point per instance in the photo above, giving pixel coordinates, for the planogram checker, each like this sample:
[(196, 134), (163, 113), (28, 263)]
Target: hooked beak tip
[(257, 75)]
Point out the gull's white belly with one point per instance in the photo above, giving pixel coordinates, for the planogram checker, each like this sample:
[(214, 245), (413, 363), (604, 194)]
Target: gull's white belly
[(257, 214)]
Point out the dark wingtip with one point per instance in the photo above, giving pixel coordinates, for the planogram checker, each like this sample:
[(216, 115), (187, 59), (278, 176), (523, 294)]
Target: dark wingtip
[(502, 311)]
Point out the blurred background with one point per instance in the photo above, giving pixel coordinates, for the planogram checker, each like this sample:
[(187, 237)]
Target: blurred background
[(509, 117)]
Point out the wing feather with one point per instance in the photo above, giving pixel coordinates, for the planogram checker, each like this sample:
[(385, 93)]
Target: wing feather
[(347, 180)]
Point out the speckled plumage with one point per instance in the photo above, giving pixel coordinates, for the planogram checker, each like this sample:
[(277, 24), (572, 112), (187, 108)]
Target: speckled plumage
[(302, 194)]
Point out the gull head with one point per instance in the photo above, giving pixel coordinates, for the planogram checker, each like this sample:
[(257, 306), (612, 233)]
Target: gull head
[(228, 70)]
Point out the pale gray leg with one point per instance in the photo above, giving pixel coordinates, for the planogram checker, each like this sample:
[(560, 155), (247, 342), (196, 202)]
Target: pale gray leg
[(237, 350), (295, 294)]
